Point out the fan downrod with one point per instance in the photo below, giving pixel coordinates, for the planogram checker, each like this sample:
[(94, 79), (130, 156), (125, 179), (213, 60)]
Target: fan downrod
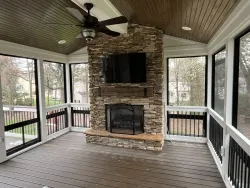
[(88, 6)]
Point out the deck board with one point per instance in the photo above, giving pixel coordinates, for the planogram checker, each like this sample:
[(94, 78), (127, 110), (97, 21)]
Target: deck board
[(69, 162)]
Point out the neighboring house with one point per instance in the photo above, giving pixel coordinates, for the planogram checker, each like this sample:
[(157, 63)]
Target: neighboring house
[(22, 86)]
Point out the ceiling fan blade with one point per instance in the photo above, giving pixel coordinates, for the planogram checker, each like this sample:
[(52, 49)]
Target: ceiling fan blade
[(113, 21), (108, 32), (79, 36), (76, 13)]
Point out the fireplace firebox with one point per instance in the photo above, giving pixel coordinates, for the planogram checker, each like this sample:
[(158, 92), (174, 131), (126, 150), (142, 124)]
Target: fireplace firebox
[(124, 118)]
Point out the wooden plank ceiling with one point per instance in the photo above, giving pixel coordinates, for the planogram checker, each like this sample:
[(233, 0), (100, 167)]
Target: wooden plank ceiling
[(24, 22), (204, 16)]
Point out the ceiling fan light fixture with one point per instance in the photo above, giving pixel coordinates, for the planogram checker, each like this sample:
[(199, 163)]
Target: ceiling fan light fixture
[(89, 34), (185, 28)]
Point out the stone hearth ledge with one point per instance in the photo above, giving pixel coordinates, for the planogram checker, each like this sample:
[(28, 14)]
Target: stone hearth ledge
[(143, 141)]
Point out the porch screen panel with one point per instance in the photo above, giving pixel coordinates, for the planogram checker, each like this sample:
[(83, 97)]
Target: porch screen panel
[(241, 118), (80, 115), (20, 102), (218, 82), (54, 81), (80, 82), (187, 81)]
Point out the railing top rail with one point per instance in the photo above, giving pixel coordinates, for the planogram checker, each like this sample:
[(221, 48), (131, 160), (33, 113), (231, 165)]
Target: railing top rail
[(20, 108), (84, 105), (243, 142), (56, 107), (217, 117), (187, 108)]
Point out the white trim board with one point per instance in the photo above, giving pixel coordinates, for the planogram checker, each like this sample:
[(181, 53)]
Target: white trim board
[(171, 41), (215, 157), (81, 51), (2, 130), (218, 164), (78, 58), (10, 48)]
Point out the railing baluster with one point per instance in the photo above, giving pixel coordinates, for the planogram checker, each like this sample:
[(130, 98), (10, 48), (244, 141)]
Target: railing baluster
[(199, 125), (248, 162)]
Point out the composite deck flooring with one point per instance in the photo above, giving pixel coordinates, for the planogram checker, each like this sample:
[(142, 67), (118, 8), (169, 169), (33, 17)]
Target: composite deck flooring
[(68, 162)]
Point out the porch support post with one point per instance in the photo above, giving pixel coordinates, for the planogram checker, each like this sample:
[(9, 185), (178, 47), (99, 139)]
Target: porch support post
[(68, 87), (209, 90), (42, 104), (228, 104), (2, 135)]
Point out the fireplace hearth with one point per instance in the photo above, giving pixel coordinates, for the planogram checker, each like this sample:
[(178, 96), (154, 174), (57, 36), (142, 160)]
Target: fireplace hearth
[(124, 118)]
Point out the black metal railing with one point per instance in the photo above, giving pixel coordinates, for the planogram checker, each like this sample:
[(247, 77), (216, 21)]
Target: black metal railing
[(56, 120), (18, 114), (216, 136), (80, 117), (21, 128), (238, 165), (187, 123)]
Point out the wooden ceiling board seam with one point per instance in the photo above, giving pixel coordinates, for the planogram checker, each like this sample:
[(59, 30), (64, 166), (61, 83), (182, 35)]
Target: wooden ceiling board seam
[(206, 16), (20, 35), (167, 27), (51, 13), (151, 6), (172, 18), (188, 12), (39, 20), (196, 20), (192, 18), (31, 20), (218, 5), (13, 30), (201, 18), (37, 34), (214, 21), (148, 15), (182, 16), (53, 35), (221, 19), (178, 10)]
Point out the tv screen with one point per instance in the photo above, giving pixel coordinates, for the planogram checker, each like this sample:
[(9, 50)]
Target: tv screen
[(125, 68)]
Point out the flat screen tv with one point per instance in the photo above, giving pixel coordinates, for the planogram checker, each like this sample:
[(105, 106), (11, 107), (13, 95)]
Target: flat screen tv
[(125, 68)]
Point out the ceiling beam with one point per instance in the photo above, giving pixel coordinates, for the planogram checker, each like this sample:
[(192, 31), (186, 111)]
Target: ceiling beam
[(104, 10)]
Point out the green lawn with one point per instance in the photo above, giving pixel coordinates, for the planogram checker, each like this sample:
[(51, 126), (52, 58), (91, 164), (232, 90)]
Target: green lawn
[(49, 102)]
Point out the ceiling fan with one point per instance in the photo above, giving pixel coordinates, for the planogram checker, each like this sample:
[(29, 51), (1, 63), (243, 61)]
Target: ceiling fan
[(90, 24)]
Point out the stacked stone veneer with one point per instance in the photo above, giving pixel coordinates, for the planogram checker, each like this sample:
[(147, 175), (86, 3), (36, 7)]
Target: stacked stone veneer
[(139, 39)]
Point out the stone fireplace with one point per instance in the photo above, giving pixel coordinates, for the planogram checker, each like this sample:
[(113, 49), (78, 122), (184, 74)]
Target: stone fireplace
[(127, 114)]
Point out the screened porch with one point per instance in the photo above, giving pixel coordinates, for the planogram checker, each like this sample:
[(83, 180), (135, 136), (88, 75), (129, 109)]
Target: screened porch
[(49, 91)]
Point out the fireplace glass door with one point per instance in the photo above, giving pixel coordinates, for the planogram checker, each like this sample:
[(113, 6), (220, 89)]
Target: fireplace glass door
[(124, 118)]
